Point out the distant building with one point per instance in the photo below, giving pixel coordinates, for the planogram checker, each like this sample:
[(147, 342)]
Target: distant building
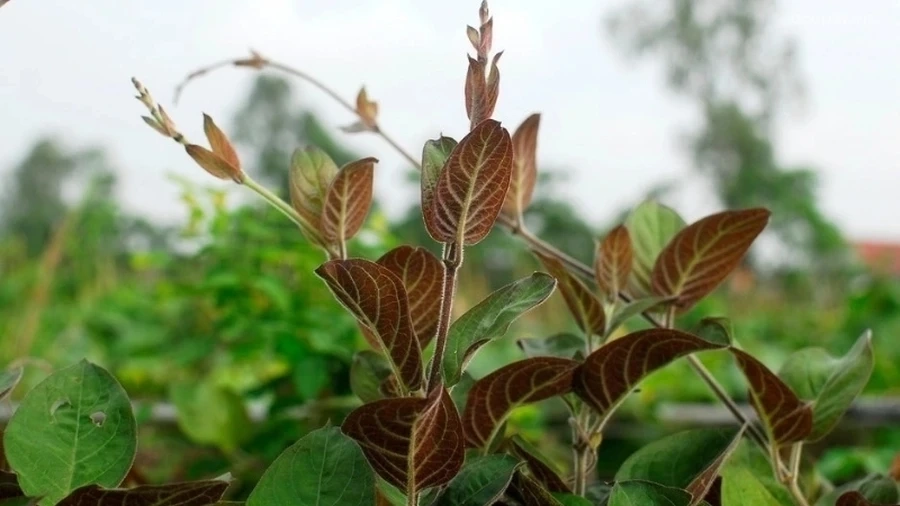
[(882, 257)]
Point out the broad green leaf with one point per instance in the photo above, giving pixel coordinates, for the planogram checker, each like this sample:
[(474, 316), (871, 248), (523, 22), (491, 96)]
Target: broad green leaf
[(211, 414), (652, 226), (481, 481), (632, 309), (368, 372), (703, 254), (613, 262), (194, 493), (423, 275), (490, 319), (875, 488), (700, 455), (472, 186), (716, 330), (613, 370), (830, 383), (571, 499), (9, 378), (747, 480), (460, 391), (563, 345), (377, 298), (323, 468), (585, 307), (411, 442), (526, 381), (524, 171), (647, 493), (785, 417), (347, 201), (75, 428), (434, 157)]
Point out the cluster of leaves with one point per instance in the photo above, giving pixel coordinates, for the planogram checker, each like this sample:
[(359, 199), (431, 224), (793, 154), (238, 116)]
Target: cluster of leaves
[(428, 431)]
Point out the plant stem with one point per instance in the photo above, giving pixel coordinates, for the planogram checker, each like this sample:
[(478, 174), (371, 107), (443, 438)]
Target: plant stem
[(452, 258), (581, 451), (793, 476), (412, 499)]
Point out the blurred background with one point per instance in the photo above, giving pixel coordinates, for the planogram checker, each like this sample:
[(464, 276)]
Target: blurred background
[(114, 246)]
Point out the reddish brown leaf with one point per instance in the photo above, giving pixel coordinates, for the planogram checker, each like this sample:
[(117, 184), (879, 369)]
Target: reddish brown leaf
[(786, 418), (702, 255), (219, 142), (583, 304), (312, 171), (434, 157), (492, 88), (367, 109), (854, 498), (376, 297), (213, 163), (494, 396), (612, 371), (529, 491), (423, 276), (524, 172), (613, 261), (411, 442), (472, 186), (197, 493), (476, 92), (539, 469), (347, 200), (474, 37)]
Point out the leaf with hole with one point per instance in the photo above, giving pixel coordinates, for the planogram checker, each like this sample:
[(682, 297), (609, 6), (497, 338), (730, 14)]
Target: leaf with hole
[(377, 298), (368, 372), (563, 345), (703, 254), (524, 170), (192, 493), (347, 200), (490, 319), (701, 453), (423, 275), (9, 378), (471, 187), (613, 261), (786, 418), (481, 481), (831, 384), (526, 381), (75, 428), (323, 468), (412, 443), (651, 226), (613, 370), (647, 493), (581, 301)]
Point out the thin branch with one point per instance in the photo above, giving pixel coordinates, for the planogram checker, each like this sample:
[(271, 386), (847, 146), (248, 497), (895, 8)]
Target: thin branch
[(453, 257)]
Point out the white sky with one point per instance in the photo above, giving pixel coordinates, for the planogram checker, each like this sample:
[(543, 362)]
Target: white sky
[(65, 69)]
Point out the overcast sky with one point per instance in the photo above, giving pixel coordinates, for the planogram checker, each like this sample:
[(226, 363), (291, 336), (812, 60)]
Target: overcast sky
[(65, 68)]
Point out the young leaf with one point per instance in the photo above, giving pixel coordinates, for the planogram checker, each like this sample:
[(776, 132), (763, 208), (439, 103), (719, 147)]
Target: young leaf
[(422, 275), (412, 443), (612, 371), (786, 418), (366, 109), (74, 428), (368, 372), (702, 255), (622, 313), (193, 493), (647, 493), (540, 469), (219, 143), (472, 186), (213, 163), (377, 298), (481, 481), (613, 262), (562, 345), (651, 226), (582, 303), (716, 330), (831, 384), (9, 378), (312, 171), (524, 171), (323, 468), (494, 396), (490, 319), (347, 200), (434, 157), (701, 454)]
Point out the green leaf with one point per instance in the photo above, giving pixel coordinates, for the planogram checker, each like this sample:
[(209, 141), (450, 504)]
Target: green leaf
[(540, 468), (480, 482), (747, 480), (323, 468), (194, 493), (571, 499), (562, 345), (368, 372), (211, 414), (434, 155), (646, 493), (490, 319), (652, 226), (20, 501), (875, 488), (529, 492), (460, 392), (830, 383), (631, 309), (716, 330), (74, 428), (700, 455), (312, 171), (9, 378)]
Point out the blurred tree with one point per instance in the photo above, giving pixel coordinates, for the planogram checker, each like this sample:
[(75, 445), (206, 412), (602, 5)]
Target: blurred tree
[(724, 56)]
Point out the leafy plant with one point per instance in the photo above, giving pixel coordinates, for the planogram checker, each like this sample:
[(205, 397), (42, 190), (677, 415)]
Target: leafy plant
[(430, 433)]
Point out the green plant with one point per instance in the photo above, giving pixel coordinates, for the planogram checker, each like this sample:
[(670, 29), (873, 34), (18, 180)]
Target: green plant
[(428, 431)]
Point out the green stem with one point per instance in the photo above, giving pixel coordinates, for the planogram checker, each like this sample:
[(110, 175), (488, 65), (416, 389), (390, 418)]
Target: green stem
[(277, 203), (452, 257), (794, 474)]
